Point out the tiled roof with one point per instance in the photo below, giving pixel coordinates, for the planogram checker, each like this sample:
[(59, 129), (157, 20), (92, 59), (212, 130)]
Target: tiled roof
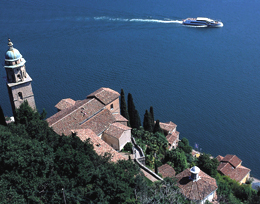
[(232, 159), (171, 138), (169, 126), (99, 145), (228, 169), (65, 103), (219, 158), (196, 190), (166, 170), (117, 129), (119, 117), (100, 122), (73, 117), (105, 95)]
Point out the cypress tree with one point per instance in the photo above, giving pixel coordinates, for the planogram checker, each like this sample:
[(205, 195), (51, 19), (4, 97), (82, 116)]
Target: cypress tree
[(137, 120), (134, 117), (124, 111), (2, 117), (147, 124), (130, 104), (157, 127), (152, 116)]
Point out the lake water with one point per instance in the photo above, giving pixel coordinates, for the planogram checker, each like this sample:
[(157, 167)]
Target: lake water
[(206, 80)]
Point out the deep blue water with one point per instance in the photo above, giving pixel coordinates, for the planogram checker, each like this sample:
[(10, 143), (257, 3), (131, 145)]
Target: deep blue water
[(206, 80)]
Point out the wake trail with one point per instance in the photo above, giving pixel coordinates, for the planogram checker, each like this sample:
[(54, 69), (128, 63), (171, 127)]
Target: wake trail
[(138, 20)]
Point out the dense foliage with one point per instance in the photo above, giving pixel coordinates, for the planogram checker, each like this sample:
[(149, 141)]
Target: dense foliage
[(2, 117), (154, 145), (39, 166)]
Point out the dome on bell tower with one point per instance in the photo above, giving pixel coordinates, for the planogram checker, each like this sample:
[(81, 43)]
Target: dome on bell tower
[(12, 53)]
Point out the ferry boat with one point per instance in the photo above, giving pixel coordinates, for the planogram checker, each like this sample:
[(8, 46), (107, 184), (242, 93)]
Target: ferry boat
[(202, 21)]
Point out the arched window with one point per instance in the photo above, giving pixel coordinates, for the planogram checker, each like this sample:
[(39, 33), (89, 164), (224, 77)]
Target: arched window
[(20, 96)]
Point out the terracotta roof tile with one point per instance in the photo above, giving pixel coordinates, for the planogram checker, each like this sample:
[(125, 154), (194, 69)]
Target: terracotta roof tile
[(219, 158), (166, 170), (174, 137), (117, 129), (234, 173), (169, 126), (100, 122), (73, 117), (197, 190), (119, 117), (105, 95), (229, 166), (232, 159), (65, 103), (99, 145)]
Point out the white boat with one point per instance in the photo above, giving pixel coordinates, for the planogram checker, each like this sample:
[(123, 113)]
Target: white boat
[(202, 21)]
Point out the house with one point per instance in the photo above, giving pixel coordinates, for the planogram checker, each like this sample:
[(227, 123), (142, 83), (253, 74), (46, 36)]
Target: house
[(230, 165), (166, 171), (117, 135), (100, 146), (196, 185), (99, 112), (172, 135)]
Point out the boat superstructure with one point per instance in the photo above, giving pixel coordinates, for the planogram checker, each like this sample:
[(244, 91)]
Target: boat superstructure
[(202, 21)]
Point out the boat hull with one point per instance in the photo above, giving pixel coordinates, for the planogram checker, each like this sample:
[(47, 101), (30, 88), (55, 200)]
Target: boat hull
[(202, 22)]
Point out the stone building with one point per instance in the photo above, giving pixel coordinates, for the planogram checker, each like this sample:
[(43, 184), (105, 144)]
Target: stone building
[(172, 135), (230, 165), (196, 185), (18, 80), (99, 112)]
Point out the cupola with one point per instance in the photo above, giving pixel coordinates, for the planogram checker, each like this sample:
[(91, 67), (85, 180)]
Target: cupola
[(195, 173), (14, 64)]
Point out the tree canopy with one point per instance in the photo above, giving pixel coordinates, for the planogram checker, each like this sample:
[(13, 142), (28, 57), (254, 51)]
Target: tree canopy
[(39, 166)]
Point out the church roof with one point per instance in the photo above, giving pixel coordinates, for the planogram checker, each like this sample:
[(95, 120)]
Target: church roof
[(104, 95), (119, 117), (100, 146), (74, 116), (117, 129), (65, 103)]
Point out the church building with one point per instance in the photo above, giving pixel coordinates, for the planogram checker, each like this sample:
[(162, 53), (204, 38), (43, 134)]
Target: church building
[(18, 80), (98, 112)]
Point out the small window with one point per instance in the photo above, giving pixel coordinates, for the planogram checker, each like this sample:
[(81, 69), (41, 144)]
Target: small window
[(111, 107), (20, 96)]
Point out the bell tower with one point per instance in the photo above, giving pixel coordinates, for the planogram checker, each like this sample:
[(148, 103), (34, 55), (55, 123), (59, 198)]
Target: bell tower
[(18, 80)]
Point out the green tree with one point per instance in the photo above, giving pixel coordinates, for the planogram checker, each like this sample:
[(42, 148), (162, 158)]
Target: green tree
[(157, 127), (178, 159), (207, 164), (134, 117), (185, 146), (148, 126), (124, 111), (2, 117), (152, 116)]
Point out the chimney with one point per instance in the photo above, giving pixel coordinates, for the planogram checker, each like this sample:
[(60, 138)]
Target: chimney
[(195, 173)]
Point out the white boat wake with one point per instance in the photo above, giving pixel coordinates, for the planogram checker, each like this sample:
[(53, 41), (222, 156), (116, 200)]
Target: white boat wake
[(138, 20)]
